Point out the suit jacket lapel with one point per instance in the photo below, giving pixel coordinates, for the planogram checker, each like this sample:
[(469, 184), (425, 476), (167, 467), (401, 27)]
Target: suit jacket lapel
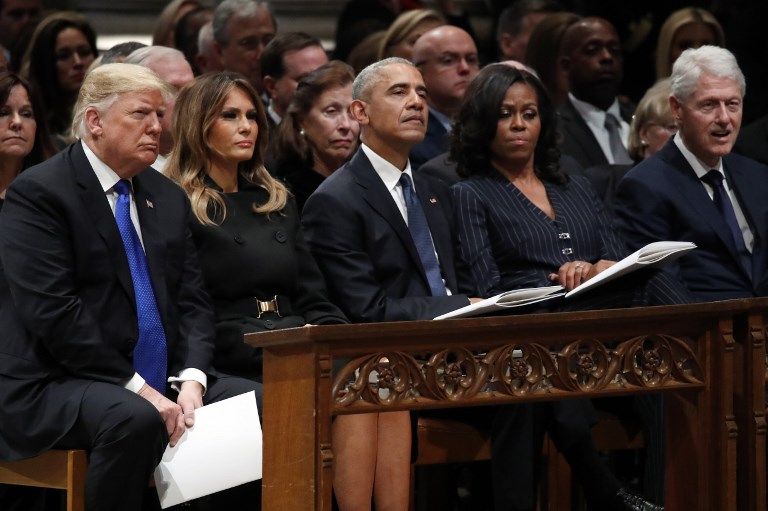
[(151, 236), (693, 191), (380, 200), (97, 207), (750, 201), (577, 129)]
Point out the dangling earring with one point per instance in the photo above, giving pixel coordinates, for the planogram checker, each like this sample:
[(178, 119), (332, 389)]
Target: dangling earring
[(301, 132)]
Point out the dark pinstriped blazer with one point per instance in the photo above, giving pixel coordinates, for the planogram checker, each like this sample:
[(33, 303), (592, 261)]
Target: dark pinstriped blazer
[(509, 243)]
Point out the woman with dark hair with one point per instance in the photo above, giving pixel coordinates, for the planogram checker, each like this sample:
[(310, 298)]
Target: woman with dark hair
[(256, 265), (523, 223), (62, 47), (317, 135), (24, 140)]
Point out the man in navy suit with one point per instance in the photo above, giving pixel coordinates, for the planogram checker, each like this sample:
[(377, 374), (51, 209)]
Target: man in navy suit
[(448, 61), (695, 189), (107, 329), (357, 222)]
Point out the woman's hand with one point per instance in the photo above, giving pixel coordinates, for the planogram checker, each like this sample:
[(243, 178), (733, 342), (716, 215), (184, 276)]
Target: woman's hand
[(574, 273)]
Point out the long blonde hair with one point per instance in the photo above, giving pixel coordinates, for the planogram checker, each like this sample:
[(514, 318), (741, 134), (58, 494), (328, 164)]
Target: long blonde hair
[(675, 22), (197, 108)]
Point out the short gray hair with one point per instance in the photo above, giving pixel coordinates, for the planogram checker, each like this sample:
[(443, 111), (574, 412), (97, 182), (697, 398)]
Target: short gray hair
[(367, 78), (103, 85), (712, 60), (150, 54), (240, 8)]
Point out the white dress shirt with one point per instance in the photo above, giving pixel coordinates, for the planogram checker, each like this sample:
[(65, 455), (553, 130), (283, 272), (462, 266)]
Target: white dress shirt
[(108, 178), (390, 175), (595, 119), (160, 163), (700, 169)]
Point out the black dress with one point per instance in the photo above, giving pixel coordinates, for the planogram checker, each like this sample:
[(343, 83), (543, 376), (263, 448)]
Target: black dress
[(252, 256), (302, 180)]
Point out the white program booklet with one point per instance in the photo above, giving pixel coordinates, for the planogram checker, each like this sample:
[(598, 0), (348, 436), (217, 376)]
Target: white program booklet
[(222, 450), (653, 254)]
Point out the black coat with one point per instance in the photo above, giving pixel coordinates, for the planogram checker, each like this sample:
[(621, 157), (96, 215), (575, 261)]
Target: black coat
[(253, 255)]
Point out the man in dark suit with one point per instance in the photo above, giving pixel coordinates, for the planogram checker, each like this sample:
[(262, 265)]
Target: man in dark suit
[(101, 298), (447, 58), (357, 222), (593, 124), (695, 189)]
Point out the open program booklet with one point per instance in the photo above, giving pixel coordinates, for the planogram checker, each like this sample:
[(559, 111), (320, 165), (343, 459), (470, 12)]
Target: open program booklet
[(653, 254)]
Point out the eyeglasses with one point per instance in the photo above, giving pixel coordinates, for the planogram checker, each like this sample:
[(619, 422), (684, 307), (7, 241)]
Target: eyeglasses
[(67, 53)]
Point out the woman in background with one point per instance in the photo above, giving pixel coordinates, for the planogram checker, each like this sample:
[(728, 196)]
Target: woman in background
[(62, 47), (317, 136), (652, 124), (403, 32), (24, 140), (257, 268), (690, 27)]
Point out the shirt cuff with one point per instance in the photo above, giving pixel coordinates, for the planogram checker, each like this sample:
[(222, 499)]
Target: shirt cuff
[(135, 383), (189, 374)]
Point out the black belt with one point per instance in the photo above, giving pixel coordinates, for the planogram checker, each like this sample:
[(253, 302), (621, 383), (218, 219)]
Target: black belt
[(279, 305)]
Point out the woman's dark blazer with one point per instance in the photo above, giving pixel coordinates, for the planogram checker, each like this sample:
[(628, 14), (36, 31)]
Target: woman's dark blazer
[(253, 256), (509, 243)]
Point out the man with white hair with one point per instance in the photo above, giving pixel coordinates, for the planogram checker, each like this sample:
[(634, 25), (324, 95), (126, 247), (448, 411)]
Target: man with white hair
[(695, 189), (241, 31), (170, 65), (107, 329)]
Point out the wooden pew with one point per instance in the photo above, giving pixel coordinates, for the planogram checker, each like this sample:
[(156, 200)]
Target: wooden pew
[(689, 352)]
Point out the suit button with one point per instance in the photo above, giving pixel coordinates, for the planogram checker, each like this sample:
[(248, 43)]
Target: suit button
[(239, 239), (269, 324), (280, 236)]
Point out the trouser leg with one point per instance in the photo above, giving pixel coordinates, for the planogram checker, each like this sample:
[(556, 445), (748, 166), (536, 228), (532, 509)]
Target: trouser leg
[(125, 437)]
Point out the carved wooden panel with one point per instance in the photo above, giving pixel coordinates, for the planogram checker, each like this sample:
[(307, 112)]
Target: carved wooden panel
[(524, 370)]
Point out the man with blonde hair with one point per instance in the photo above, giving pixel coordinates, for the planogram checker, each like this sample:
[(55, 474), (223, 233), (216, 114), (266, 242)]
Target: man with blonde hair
[(107, 329)]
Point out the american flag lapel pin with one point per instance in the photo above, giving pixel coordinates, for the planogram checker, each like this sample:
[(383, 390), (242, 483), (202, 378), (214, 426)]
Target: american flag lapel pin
[(150, 205), (433, 200)]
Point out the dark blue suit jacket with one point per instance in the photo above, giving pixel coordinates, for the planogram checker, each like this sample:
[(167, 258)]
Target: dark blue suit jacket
[(662, 199), (434, 144), (364, 249), (67, 305)]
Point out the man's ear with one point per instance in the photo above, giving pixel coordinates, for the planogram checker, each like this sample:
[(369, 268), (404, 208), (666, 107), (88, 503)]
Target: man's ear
[(93, 122), (504, 45), (564, 62), (676, 107), (269, 85), (358, 112)]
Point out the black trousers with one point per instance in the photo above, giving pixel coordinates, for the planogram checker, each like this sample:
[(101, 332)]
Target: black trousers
[(125, 438)]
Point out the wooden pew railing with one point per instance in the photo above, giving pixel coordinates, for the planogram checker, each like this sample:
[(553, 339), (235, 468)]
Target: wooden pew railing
[(708, 360)]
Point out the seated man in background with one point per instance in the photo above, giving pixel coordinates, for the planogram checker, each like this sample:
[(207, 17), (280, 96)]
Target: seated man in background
[(694, 189), (107, 329)]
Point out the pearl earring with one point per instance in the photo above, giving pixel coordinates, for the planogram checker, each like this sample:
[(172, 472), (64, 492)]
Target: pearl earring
[(301, 132)]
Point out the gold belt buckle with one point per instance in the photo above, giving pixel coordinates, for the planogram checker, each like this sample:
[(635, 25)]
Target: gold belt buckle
[(268, 306)]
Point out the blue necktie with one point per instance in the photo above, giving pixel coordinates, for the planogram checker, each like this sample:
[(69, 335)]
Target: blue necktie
[(417, 224), (714, 178), (150, 356)]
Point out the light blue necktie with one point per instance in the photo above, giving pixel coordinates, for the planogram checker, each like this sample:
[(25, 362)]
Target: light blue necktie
[(150, 356), (417, 224)]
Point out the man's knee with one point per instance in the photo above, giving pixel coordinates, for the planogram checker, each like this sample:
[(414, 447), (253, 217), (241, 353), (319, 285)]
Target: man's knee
[(134, 420)]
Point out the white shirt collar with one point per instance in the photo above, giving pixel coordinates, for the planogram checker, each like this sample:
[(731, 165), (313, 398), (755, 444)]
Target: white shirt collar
[(591, 113), (159, 164), (106, 176), (388, 173), (697, 165)]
